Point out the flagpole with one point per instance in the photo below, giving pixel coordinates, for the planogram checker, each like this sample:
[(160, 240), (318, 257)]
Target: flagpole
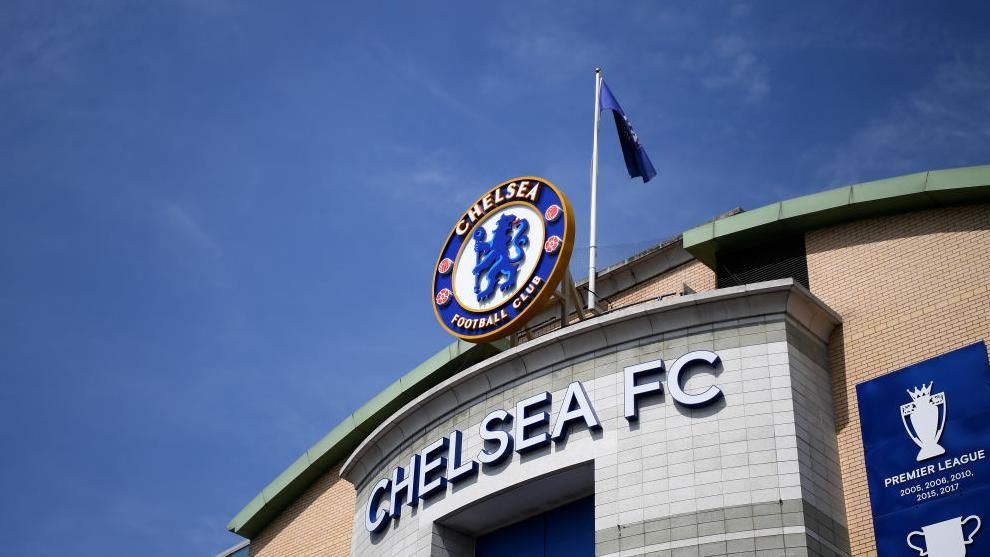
[(594, 193)]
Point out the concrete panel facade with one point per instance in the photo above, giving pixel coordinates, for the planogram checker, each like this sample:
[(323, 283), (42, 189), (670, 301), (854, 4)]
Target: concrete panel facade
[(754, 474)]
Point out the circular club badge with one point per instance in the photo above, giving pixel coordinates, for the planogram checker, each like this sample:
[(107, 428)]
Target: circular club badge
[(503, 260)]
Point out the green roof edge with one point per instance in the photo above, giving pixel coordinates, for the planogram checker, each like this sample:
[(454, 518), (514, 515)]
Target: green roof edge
[(342, 439), (922, 190)]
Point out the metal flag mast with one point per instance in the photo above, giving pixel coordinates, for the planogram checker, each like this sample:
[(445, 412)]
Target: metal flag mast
[(594, 193)]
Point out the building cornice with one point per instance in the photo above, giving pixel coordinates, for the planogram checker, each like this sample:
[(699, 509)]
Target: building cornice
[(913, 192), (629, 324)]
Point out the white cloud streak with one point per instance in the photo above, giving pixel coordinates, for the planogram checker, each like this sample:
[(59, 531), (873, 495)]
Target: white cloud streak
[(944, 123), (40, 42), (732, 65), (419, 75)]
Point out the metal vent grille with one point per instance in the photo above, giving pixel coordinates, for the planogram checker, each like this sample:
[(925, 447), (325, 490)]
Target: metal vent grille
[(782, 259)]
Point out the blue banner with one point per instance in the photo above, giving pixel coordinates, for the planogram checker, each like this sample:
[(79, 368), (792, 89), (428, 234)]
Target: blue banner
[(926, 439), (637, 161)]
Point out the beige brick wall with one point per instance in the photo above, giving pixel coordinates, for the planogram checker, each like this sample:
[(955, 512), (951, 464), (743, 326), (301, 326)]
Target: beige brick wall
[(317, 523), (693, 273), (908, 287)]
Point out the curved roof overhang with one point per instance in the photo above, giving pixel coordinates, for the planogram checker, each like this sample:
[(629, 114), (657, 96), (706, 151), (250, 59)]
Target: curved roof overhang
[(924, 190)]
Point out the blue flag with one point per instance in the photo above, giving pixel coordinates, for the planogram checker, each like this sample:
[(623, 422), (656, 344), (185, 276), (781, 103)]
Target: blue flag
[(637, 162)]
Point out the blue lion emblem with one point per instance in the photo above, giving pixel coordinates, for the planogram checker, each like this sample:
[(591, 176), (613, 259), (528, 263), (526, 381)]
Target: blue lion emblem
[(494, 259)]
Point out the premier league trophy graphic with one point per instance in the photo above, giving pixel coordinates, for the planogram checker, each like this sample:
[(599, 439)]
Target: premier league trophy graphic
[(923, 420), (946, 538)]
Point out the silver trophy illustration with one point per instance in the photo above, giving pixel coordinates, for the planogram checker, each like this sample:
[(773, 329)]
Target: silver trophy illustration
[(946, 538), (923, 421)]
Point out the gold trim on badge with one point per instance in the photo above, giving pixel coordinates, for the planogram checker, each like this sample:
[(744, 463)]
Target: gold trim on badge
[(550, 285)]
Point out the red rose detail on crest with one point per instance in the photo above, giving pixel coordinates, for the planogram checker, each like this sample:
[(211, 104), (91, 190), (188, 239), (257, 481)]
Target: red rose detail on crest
[(552, 245), (443, 297), (444, 267)]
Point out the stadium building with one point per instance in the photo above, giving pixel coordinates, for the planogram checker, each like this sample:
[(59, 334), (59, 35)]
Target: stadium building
[(715, 403)]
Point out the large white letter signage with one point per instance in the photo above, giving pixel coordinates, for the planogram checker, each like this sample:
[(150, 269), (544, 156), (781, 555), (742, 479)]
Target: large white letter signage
[(502, 439), (455, 470), (374, 518), (634, 390), (710, 395), (433, 462), (576, 406), (443, 461), (404, 485), (526, 422)]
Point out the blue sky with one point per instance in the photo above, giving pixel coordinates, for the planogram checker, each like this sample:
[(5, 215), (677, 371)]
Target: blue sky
[(218, 219)]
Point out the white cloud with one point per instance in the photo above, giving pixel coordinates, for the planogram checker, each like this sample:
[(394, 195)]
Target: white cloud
[(555, 52), (431, 181), (191, 253), (731, 65), (187, 232), (552, 50), (420, 76), (740, 9), (40, 42), (945, 123)]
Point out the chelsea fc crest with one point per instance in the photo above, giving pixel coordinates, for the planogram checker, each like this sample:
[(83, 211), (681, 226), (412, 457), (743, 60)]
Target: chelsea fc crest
[(503, 259)]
